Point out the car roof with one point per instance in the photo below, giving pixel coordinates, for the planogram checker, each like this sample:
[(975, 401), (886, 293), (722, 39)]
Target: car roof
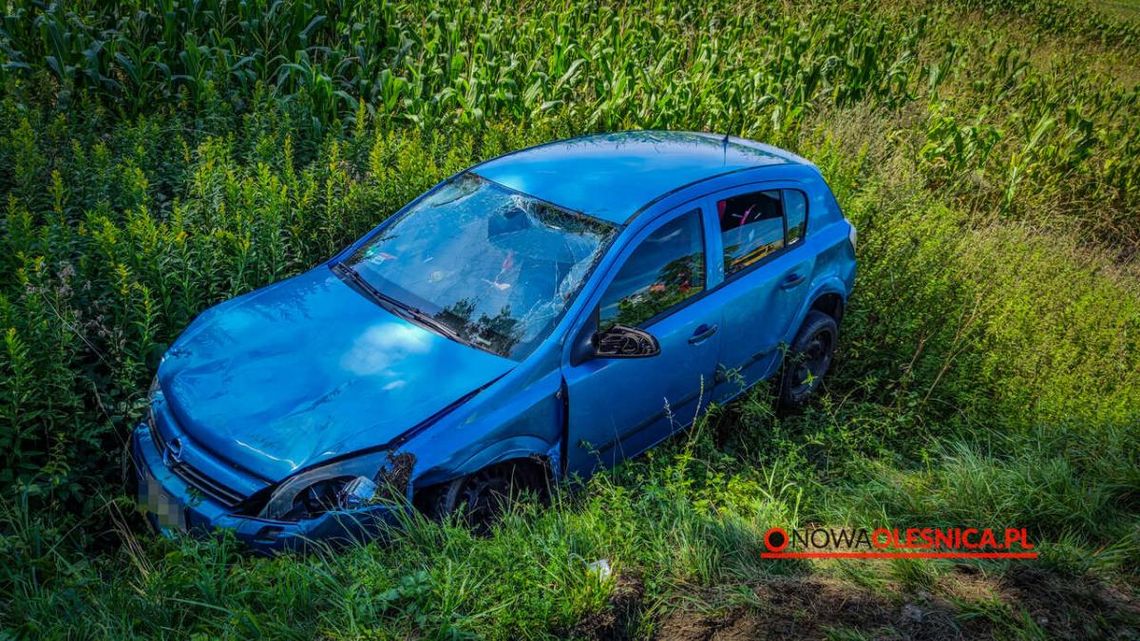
[(613, 176)]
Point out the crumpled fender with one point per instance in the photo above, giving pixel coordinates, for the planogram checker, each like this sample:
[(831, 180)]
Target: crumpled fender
[(515, 447), (515, 424)]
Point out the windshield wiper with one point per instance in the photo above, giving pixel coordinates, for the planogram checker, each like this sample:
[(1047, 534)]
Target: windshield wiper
[(399, 307)]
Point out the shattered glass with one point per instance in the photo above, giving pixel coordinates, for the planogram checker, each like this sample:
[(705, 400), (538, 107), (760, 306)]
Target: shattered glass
[(496, 266)]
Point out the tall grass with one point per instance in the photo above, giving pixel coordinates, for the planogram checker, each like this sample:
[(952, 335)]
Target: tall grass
[(156, 159)]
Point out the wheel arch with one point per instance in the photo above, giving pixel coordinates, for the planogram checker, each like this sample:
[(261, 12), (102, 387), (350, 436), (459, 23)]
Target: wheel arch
[(828, 296), (829, 302), (529, 451)]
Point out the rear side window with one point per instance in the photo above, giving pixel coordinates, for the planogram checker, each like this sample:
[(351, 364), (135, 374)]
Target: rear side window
[(751, 226), (665, 269), (795, 209)]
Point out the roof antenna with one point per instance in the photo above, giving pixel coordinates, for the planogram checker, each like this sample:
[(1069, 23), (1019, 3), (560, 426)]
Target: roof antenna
[(724, 149)]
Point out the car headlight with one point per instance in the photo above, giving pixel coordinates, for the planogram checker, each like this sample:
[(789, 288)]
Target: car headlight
[(377, 477)]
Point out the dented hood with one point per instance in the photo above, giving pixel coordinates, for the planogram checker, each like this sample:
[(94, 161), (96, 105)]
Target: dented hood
[(308, 369)]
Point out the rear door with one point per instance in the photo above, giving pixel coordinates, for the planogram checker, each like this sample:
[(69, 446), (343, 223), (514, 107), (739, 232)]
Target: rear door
[(766, 271), (620, 407)]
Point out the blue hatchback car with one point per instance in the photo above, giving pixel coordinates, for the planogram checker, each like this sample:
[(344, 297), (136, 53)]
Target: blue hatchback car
[(543, 314)]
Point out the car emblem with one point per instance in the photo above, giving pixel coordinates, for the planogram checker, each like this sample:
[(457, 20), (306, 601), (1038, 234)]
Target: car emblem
[(173, 451)]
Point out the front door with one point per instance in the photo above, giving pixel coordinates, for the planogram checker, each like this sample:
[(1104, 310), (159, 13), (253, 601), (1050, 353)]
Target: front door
[(620, 407)]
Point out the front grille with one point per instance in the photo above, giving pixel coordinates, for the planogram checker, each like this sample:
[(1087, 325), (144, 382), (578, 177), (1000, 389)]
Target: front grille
[(192, 476), (155, 434), (206, 485)]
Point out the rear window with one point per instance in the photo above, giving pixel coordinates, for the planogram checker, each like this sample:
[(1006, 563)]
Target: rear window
[(756, 225), (751, 227)]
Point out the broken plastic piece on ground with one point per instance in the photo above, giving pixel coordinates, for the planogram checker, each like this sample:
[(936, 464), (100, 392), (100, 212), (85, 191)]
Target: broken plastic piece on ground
[(601, 567)]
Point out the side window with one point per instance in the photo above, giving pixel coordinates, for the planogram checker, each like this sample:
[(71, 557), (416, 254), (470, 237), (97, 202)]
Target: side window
[(665, 269), (795, 208), (751, 226)]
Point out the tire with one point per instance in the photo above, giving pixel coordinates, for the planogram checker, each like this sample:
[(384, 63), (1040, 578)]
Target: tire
[(481, 499), (808, 359)]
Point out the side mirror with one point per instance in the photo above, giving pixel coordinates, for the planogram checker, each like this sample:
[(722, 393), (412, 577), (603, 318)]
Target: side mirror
[(620, 341)]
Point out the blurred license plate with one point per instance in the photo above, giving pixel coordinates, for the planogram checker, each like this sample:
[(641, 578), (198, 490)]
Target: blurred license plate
[(168, 511)]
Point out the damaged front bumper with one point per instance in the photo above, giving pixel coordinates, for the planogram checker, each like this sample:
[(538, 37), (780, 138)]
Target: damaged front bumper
[(173, 505)]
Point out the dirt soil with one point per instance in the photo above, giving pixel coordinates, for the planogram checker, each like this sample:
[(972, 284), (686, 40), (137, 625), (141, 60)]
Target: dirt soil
[(620, 619), (811, 608), (964, 604), (1073, 607)]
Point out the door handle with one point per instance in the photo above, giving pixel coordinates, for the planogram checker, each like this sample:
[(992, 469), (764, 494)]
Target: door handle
[(792, 280), (703, 332)]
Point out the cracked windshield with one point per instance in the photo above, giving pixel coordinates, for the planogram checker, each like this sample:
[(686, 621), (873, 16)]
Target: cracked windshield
[(496, 267)]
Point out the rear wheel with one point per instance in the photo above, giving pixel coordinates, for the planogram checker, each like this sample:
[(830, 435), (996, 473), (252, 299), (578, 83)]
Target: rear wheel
[(808, 359)]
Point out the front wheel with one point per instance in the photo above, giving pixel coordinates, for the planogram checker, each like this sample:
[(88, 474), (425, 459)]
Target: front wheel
[(482, 498), (808, 359)]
